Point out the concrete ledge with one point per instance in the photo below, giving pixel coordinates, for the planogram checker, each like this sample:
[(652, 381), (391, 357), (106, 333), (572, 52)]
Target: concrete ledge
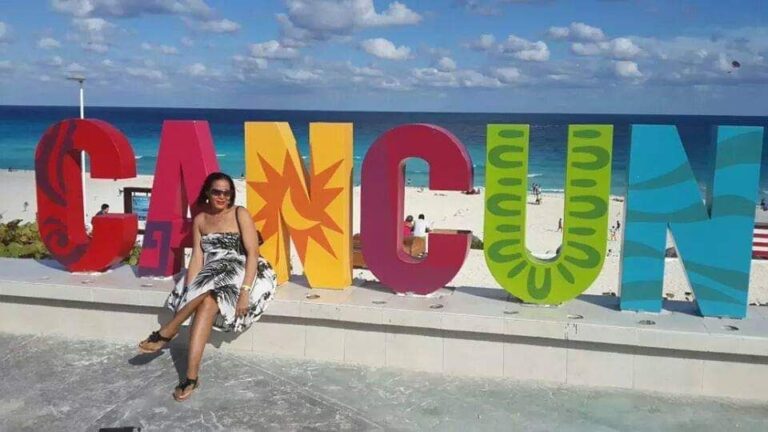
[(463, 330)]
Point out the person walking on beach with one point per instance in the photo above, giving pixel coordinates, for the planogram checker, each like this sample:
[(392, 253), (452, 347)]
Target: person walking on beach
[(560, 225), (420, 230), (227, 285), (763, 205)]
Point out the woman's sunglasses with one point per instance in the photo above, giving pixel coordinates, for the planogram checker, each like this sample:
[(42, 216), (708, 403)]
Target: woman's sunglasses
[(218, 192)]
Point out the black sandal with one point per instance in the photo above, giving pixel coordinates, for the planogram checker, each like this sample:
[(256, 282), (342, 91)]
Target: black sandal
[(183, 385), (154, 337)]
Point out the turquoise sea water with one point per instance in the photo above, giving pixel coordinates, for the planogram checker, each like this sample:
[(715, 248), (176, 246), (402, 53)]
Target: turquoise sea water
[(22, 127)]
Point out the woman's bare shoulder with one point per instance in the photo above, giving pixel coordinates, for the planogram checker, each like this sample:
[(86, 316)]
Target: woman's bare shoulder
[(199, 219)]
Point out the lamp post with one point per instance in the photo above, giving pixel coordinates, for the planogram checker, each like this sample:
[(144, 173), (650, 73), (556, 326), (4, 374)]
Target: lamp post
[(81, 80)]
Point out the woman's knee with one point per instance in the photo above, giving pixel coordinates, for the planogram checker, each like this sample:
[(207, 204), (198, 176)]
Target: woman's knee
[(209, 304)]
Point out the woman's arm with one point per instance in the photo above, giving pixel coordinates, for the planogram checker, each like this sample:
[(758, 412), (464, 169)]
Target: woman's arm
[(196, 261), (251, 243)]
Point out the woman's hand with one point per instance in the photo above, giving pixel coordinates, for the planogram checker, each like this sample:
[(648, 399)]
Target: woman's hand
[(242, 304)]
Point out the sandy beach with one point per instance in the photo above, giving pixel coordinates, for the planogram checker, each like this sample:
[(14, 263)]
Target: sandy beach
[(446, 210)]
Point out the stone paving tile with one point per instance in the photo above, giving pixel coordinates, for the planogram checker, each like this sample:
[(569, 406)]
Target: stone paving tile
[(59, 384)]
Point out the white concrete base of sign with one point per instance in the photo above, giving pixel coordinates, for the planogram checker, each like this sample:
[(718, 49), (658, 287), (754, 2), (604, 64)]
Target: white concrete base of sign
[(462, 330)]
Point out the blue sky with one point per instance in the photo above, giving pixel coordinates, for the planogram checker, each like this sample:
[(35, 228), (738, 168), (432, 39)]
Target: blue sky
[(593, 56)]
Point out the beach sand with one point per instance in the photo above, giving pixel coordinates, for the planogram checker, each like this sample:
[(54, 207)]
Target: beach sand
[(445, 210)]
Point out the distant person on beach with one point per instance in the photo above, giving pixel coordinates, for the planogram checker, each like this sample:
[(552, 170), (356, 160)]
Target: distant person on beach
[(763, 205), (420, 228), (104, 210), (560, 225), (407, 226), (26, 205), (227, 285)]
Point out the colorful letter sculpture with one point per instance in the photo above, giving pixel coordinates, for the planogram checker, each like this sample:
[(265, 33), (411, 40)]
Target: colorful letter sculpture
[(382, 207), (185, 158), (315, 211), (60, 213), (585, 225), (713, 242)]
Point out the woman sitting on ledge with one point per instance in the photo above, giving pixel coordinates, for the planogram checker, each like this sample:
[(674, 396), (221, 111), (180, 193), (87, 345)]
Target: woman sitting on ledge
[(227, 285)]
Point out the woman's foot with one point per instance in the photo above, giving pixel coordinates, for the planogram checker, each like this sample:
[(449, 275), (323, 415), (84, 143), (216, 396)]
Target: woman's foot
[(154, 342), (185, 389)]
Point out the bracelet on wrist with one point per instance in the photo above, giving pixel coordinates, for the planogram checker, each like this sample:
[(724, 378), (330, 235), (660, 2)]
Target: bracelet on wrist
[(246, 288)]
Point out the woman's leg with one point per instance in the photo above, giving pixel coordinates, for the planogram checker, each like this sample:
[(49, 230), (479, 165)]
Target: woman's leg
[(200, 332), (170, 328)]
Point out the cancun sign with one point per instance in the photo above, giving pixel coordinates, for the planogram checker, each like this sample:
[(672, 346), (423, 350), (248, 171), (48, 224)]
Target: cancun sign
[(312, 207)]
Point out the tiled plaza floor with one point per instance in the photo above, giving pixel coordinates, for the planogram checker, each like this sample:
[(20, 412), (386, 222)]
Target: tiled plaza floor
[(53, 384)]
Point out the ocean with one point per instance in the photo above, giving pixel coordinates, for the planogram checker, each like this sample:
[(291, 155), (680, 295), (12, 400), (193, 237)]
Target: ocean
[(22, 126)]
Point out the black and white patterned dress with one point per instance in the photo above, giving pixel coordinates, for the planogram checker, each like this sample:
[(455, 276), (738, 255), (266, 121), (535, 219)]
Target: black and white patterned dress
[(223, 273)]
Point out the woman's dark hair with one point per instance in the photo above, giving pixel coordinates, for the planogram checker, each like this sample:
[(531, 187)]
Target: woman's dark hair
[(202, 198)]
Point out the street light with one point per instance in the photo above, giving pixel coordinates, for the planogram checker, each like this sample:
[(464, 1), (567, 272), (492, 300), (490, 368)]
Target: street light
[(81, 79)]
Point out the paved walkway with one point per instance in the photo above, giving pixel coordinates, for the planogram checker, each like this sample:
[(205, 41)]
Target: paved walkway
[(52, 384)]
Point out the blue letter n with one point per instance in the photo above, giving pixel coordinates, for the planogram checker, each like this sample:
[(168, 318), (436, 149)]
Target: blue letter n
[(713, 240)]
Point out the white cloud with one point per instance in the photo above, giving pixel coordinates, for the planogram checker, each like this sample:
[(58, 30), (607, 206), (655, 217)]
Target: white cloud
[(524, 49), (322, 19), (187, 42), (257, 63), (627, 69), (146, 73), (577, 31), (446, 64), (93, 26), (300, 75), (365, 71), (167, 50), (74, 68), (273, 50), (385, 49), (508, 75), (620, 48), (162, 49), (55, 61), (467, 78), (96, 47), (514, 46), (132, 8), (5, 66), (558, 32), (581, 31), (484, 43), (48, 43), (93, 33), (471, 79), (199, 70), (215, 26)]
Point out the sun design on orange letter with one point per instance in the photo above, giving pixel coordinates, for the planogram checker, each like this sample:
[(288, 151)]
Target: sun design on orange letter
[(286, 200)]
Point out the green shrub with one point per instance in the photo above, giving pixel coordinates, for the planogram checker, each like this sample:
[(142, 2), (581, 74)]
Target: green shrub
[(22, 240), (477, 243)]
